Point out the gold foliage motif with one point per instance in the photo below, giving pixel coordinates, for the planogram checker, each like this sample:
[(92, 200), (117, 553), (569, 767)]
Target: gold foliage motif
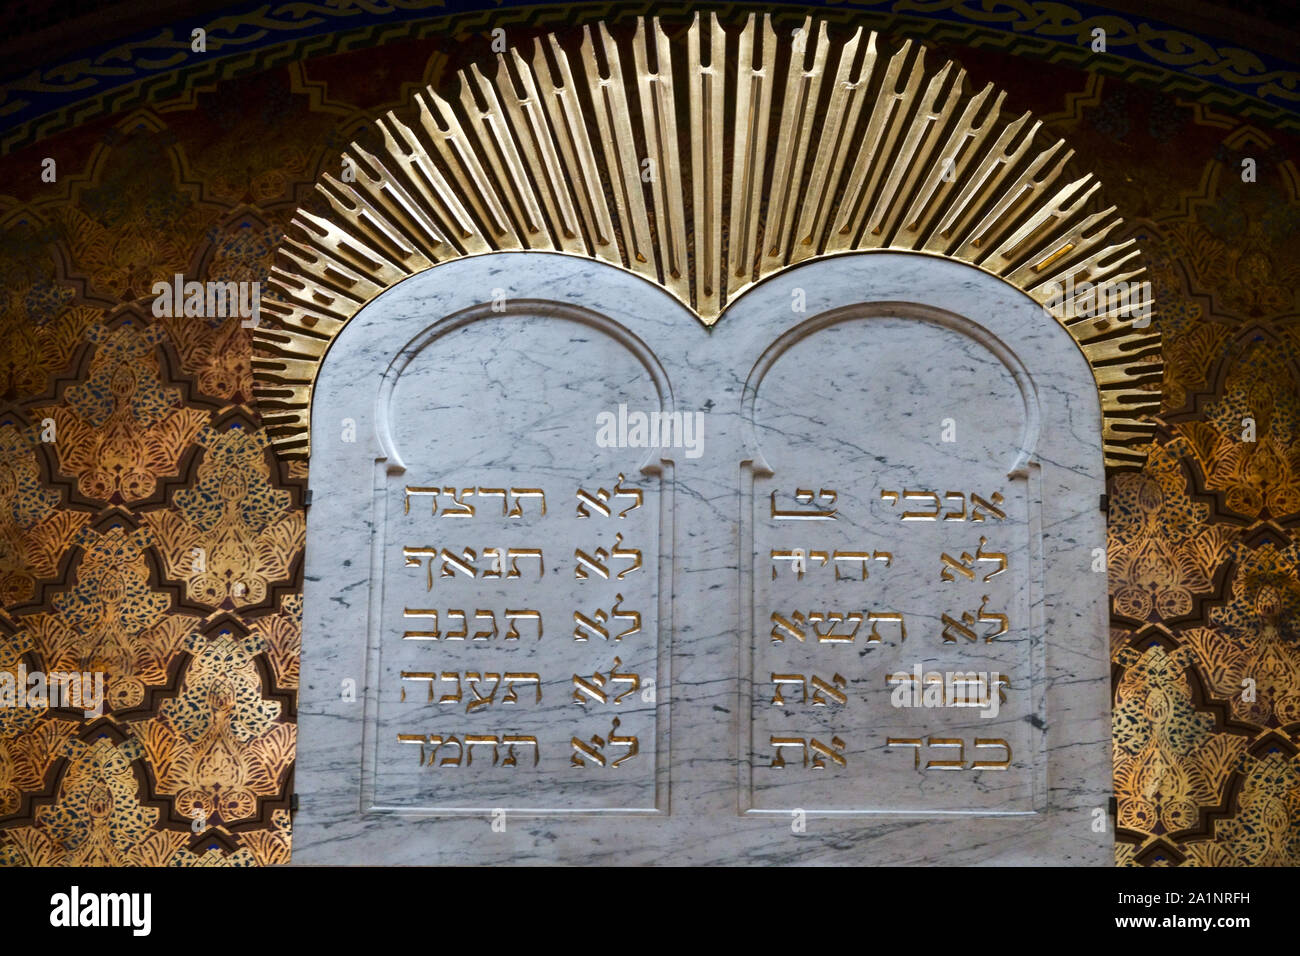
[(33, 531), (1263, 832), (97, 819), (1163, 549), (1169, 762), (111, 619), (232, 535), (217, 745), (122, 429), (641, 152)]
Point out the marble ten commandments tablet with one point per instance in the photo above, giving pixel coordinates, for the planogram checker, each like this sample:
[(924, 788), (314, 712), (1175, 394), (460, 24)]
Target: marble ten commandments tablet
[(589, 583)]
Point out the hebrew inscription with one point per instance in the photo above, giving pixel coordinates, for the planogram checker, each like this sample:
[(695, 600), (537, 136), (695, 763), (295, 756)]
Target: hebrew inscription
[(891, 628), (519, 630), (587, 582)]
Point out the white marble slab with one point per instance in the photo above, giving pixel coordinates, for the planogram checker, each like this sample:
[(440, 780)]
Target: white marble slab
[(854, 394)]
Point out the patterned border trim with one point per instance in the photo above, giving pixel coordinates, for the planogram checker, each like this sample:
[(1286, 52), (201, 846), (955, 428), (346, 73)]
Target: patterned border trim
[(161, 63)]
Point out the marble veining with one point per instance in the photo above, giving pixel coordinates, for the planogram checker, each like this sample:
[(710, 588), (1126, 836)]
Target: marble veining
[(836, 375)]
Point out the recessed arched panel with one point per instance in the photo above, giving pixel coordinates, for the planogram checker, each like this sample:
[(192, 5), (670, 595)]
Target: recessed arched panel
[(481, 550), (500, 601), (895, 531), (921, 618)]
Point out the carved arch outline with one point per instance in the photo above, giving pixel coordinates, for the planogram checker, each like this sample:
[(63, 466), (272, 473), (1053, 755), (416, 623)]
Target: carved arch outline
[(940, 318), (579, 315)]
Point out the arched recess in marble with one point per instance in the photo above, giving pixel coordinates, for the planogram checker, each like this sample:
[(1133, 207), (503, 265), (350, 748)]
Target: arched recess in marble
[(929, 333), (515, 334), (830, 410)]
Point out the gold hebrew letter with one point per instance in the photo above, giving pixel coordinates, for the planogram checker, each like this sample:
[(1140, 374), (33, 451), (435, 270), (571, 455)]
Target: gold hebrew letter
[(984, 742), (963, 627), (428, 613), (805, 497), (596, 564), (593, 688), (832, 636), (420, 739), (781, 624), (633, 493), (427, 677), (957, 764), (516, 553), (631, 743), (413, 557), (415, 490), (511, 696), (491, 616), (474, 678), (619, 552), (617, 678), (836, 754), (582, 621), (523, 741), (778, 679), (863, 556), (494, 493), (592, 752), (633, 616), (833, 689), (446, 742), (454, 677), (464, 564), (600, 502), (461, 510), (464, 628), (914, 742), (989, 617), (797, 557), (523, 614), (967, 689), (921, 515), (997, 557), (518, 493), (472, 739), (496, 558), (875, 616), (952, 564), (977, 502), (780, 743)]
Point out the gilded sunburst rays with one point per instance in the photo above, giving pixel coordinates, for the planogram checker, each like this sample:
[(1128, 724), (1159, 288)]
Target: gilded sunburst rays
[(705, 163)]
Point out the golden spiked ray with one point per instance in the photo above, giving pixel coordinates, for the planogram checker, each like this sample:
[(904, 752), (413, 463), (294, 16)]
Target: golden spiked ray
[(706, 185)]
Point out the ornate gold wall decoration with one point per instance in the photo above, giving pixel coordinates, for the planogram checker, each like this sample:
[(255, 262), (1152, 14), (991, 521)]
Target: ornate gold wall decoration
[(34, 531), (639, 152), (232, 535), (1169, 762), (218, 742), (111, 618), (71, 258), (96, 819), (122, 430)]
